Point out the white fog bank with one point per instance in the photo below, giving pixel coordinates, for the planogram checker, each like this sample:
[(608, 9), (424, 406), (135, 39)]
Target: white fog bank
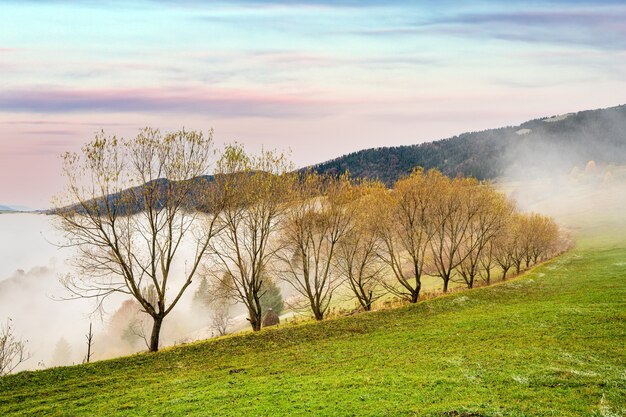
[(55, 327)]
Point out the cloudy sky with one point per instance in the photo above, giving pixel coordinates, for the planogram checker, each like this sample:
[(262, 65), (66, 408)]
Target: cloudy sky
[(321, 78)]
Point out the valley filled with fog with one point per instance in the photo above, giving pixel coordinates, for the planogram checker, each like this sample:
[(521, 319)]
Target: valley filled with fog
[(32, 295), (30, 290)]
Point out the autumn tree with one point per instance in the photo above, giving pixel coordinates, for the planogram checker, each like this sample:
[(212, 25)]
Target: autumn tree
[(490, 213), (454, 211), (404, 225), (543, 236), (502, 246), (488, 261), (520, 244), (256, 193), (130, 207), (319, 219), (527, 238), (358, 256)]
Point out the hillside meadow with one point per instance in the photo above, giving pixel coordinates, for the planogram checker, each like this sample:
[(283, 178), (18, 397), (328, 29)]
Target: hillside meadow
[(550, 342)]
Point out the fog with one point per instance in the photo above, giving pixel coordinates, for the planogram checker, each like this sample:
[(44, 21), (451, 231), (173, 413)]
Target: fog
[(29, 285), (33, 297), (579, 180)]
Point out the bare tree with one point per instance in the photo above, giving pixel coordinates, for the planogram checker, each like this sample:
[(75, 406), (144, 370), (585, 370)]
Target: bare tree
[(216, 299), (321, 216), (138, 329), (221, 317), (89, 337), (127, 240), (12, 350), (256, 194)]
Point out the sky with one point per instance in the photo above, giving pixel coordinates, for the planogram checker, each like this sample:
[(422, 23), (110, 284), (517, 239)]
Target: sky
[(316, 78)]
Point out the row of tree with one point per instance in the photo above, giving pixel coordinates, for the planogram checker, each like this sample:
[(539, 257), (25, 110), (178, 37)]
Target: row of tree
[(135, 210), (379, 241)]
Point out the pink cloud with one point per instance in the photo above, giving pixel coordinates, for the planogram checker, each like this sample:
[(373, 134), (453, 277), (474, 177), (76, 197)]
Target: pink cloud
[(62, 123), (217, 102)]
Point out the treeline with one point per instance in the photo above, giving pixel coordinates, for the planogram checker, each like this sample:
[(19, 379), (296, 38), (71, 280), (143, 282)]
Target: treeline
[(257, 221), (376, 240)]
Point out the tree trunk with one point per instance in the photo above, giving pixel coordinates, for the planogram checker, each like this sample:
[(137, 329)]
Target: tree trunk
[(368, 304), (319, 316), (156, 332), (255, 315), (415, 294), (89, 343), (317, 313), (504, 271), (255, 320), (365, 301), (445, 284), (256, 324)]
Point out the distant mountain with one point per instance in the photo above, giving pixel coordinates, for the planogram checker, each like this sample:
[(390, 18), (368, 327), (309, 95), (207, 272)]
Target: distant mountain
[(14, 208), (130, 200), (555, 143)]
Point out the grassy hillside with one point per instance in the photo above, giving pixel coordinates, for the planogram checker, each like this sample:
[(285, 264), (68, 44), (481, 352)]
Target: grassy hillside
[(551, 342)]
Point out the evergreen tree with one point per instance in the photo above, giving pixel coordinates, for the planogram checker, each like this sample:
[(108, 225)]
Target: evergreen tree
[(62, 354), (202, 296), (271, 297)]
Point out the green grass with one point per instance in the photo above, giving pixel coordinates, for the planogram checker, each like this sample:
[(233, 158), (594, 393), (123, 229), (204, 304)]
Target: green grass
[(551, 342)]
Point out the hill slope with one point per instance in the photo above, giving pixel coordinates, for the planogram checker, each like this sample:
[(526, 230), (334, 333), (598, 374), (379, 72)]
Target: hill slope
[(557, 143), (551, 341)]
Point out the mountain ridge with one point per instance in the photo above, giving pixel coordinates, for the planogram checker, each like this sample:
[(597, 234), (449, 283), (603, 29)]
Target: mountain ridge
[(12, 208), (492, 153)]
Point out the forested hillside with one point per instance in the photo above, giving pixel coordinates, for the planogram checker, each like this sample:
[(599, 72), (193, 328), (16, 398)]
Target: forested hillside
[(555, 143)]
